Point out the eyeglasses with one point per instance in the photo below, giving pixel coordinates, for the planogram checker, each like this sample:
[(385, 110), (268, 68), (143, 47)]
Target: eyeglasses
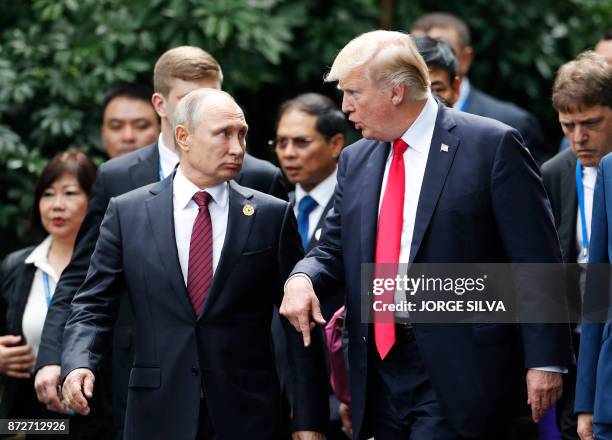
[(298, 142)]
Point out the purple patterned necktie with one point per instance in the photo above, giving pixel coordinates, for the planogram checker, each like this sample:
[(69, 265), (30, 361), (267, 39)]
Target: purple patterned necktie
[(199, 271)]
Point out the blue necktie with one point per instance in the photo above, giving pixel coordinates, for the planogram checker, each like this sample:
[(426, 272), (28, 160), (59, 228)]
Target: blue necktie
[(307, 204)]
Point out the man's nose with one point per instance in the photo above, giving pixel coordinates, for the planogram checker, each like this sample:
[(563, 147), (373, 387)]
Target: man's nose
[(347, 104), (128, 134), (236, 146), (579, 135)]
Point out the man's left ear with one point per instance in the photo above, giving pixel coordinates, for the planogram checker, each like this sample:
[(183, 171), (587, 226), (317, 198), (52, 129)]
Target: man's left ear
[(181, 135), (336, 143), (397, 93)]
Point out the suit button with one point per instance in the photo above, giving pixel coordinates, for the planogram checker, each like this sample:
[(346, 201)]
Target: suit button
[(195, 371)]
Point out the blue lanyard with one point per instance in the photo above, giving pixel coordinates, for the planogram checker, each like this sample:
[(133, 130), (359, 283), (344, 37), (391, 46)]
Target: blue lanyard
[(464, 104), (161, 173), (580, 192), (47, 288)]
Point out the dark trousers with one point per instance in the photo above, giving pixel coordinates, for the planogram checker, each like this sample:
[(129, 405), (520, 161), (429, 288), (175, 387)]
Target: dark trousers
[(566, 419), (206, 430), (401, 403), (205, 427)]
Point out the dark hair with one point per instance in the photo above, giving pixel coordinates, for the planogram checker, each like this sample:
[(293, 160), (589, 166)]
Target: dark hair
[(73, 162), (330, 120), (138, 91), (585, 81), (444, 20), (607, 35), (437, 53)]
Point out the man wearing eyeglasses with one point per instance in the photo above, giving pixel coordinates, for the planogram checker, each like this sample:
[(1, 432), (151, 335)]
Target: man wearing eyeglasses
[(310, 134)]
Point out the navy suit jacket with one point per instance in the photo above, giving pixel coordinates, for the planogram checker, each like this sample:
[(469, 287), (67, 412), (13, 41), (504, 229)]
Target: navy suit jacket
[(479, 103), (594, 380), (481, 201), (227, 350)]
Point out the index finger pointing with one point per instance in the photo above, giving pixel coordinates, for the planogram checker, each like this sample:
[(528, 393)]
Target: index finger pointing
[(305, 329)]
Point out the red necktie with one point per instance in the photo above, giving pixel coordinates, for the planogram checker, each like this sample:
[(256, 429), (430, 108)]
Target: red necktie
[(199, 271), (388, 240)]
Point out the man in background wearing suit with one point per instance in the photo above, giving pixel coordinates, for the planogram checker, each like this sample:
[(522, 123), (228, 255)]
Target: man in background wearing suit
[(203, 261), (442, 65), (451, 29), (310, 134), (129, 120), (579, 97), (429, 184), (177, 72), (582, 95)]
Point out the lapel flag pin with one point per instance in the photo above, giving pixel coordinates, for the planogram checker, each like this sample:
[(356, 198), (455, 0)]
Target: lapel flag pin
[(248, 210), (444, 148)]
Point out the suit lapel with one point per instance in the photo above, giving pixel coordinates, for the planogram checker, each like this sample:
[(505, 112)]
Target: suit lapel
[(436, 171), (161, 218), (23, 283), (371, 184), (238, 229), (146, 170), (567, 224)]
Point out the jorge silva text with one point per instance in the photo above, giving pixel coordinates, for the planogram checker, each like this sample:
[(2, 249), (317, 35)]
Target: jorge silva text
[(440, 306)]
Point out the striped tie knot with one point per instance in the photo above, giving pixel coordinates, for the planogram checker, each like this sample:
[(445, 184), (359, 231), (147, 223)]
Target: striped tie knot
[(202, 198)]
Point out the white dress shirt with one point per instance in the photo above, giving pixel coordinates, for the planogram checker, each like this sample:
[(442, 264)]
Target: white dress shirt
[(322, 194), (186, 211), (36, 308), (167, 157), (464, 92), (589, 175), (418, 137)]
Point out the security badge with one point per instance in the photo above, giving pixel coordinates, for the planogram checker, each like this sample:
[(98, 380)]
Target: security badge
[(248, 210)]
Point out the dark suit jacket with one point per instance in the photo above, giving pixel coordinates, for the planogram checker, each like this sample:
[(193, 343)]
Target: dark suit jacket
[(595, 361), (328, 308), (227, 350), (481, 201), (559, 177), (18, 395), (479, 103), (15, 283), (114, 178)]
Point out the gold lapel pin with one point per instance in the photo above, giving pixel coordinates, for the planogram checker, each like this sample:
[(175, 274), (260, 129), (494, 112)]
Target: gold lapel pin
[(444, 148), (248, 210)]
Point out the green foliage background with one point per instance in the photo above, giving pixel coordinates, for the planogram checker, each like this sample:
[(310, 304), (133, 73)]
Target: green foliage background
[(57, 57)]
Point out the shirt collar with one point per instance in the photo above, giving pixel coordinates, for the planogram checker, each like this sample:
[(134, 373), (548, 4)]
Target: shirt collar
[(167, 157), (184, 190), (415, 136), (321, 193), (464, 91), (40, 254)]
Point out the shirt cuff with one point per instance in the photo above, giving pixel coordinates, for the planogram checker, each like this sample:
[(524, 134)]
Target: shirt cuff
[(296, 275), (552, 369)]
